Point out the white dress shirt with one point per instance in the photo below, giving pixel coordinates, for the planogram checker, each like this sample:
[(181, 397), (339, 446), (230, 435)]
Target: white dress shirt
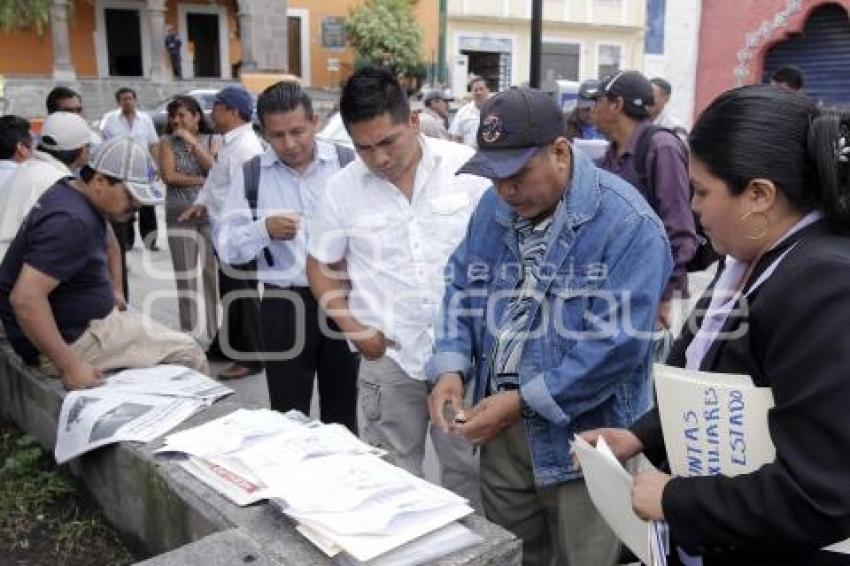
[(239, 145), (465, 124), (29, 181), (241, 239), (115, 124), (7, 167), (395, 249)]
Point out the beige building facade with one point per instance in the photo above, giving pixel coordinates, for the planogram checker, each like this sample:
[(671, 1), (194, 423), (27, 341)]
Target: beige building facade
[(581, 39)]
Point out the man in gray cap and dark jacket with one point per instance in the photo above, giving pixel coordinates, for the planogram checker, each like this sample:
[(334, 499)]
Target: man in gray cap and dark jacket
[(56, 299)]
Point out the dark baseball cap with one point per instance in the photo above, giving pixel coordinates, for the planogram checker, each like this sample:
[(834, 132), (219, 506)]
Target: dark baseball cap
[(515, 123), (587, 93), (237, 98), (632, 87)]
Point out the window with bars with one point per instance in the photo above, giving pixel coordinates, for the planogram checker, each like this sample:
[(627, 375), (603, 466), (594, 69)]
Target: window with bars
[(559, 61)]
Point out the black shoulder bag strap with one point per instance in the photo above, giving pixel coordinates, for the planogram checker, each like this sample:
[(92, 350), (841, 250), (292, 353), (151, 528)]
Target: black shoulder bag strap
[(344, 155), (251, 174)]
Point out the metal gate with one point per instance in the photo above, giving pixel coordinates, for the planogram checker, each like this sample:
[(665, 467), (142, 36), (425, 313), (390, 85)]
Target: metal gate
[(822, 51)]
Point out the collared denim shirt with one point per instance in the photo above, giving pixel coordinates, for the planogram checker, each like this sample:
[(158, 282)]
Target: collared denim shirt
[(586, 360)]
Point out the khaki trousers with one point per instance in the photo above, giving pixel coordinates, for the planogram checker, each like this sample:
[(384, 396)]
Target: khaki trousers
[(392, 410), (557, 525), (126, 340)]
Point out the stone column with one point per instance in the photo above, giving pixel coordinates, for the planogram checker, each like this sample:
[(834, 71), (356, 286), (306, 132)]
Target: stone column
[(156, 28), (63, 70), (246, 35)]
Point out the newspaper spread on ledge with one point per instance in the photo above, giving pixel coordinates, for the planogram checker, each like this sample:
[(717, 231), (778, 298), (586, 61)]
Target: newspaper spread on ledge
[(342, 496), (132, 405), (716, 424)]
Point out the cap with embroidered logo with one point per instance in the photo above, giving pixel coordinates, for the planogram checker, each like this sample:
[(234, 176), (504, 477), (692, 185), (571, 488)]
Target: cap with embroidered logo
[(515, 123)]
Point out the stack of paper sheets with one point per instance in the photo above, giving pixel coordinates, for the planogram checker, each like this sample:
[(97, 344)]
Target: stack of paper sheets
[(342, 495)]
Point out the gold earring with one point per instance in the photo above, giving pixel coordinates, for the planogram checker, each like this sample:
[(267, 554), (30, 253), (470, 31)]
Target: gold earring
[(765, 227)]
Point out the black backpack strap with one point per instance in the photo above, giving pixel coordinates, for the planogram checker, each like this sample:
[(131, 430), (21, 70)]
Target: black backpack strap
[(345, 155), (251, 174)]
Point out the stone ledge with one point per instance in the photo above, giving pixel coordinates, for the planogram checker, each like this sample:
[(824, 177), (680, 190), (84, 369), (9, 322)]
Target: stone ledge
[(159, 507)]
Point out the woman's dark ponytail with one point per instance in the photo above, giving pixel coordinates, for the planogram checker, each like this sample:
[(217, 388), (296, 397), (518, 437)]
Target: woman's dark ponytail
[(829, 153)]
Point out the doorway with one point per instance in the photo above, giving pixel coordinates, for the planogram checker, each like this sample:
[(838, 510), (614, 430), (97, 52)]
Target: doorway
[(123, 42), (485, 65), (203, 32), (293, 37)]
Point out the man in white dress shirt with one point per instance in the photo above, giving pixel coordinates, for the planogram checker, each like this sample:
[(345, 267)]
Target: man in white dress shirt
[(465, 124), (270, 223), (127, 120), (231, 116), (388, 222)]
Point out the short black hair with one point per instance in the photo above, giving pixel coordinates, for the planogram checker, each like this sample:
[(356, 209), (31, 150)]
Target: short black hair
[(629, 109), (476, 79), (430, 101), (372, 92), (13, 130), (66, 156), (663, 84), (124, 90), (57, 94), (281, 97), (87, 174), (790, 75)]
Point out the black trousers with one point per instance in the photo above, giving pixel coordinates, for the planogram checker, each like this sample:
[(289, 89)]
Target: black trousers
[(241, 310), (289, 329), (147, 225), (176, 67)]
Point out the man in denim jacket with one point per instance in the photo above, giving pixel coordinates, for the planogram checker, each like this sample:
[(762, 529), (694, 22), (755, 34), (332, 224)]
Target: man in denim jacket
[(548, 312)]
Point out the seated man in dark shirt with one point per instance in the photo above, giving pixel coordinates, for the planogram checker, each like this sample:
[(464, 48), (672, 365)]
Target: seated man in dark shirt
[(56, 299)]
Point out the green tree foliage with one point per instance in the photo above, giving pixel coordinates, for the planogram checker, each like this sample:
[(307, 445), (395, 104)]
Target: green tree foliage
[(25, 14), (385, 32)]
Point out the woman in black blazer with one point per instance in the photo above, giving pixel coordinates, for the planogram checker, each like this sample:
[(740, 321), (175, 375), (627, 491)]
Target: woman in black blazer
[(771, 175)]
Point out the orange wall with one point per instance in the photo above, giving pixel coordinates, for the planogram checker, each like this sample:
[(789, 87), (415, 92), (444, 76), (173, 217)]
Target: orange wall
[(27, 53), (426, 14)]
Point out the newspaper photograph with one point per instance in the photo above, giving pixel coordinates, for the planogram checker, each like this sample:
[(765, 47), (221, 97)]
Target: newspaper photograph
[(135, 405), (96, 417)]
